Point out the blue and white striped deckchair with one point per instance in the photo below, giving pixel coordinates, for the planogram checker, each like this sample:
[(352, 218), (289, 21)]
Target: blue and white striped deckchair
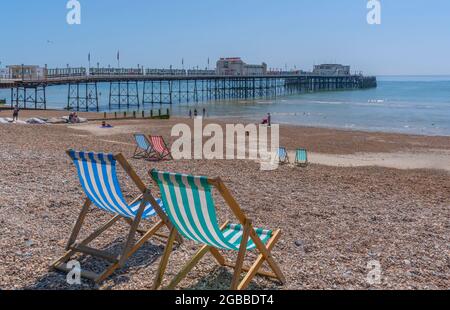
[(283, 155), (144, 148), (98, 177), (190, 207), (301, 158)]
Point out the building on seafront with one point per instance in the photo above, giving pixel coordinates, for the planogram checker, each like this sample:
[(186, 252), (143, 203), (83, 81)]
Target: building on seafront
[(235, 66), (4, 73), (27, 72), (331, 70)]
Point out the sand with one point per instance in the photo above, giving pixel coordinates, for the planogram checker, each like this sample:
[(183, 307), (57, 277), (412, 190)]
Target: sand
[(349, 207)]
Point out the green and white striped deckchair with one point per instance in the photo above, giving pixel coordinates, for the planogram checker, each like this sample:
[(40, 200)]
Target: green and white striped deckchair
[(301, 158), (189, 204)]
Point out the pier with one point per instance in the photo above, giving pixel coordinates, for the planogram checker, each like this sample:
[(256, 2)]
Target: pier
[(136, 88)]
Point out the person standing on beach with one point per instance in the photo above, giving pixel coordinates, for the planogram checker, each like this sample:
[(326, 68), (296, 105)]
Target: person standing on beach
[(16, 113), (190, 113), (269, 120), (204, 112), (195, 113)]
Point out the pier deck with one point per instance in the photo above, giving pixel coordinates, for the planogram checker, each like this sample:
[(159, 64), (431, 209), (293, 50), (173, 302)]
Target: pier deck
[(134, 91)]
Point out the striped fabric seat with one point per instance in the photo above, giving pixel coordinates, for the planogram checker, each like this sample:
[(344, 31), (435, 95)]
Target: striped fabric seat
[(160, 146), (98, 177), (283, 155), (142, 142), (190, 206), (301, 156)]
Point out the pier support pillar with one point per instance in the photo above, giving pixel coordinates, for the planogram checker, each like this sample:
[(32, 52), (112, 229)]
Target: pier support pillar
[(29, 97), (83, 97), (124, 94)]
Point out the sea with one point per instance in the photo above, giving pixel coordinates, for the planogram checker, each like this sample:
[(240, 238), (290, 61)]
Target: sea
[(400, 104)]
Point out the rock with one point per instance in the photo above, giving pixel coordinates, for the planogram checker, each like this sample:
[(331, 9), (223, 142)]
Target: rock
[(55, 120), (35, 120), (299, 243)]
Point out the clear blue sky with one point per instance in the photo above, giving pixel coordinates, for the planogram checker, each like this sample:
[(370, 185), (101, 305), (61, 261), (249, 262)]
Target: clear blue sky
[(414, 37)]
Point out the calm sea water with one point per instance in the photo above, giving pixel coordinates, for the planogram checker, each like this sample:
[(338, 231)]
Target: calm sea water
[(418, 105)]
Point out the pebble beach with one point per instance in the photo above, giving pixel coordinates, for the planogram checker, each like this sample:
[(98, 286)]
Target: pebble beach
[(335, 217)]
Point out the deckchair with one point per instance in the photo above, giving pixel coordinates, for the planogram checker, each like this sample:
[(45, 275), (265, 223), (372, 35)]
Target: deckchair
[(283, 156), (301, 158), (160, 147), (144, 148), (190, 206), (98, 176)]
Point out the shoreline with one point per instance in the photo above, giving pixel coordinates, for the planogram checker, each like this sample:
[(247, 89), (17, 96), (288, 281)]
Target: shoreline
[(97, 116)]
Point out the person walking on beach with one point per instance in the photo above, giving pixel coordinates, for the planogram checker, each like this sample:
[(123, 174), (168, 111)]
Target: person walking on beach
[(16, 113), (204, 112), (190, 113), (269, 120)]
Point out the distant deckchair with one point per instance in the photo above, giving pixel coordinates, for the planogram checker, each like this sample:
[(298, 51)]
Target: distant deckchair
[(190, 206), (98, 177), (160, 147), (301, 158), (283, 156), (144, 148)]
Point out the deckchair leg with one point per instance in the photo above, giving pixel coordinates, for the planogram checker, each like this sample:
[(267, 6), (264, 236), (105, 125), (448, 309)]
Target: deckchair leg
[(258, 263), (241, 256), (219, 258), (197, 257), (165, 259), (76, 229), (132, 234), (127, 254), (71, 251)]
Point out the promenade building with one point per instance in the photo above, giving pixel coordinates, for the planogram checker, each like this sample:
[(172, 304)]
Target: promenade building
[(331, 70), (237, 67), (27, 72)]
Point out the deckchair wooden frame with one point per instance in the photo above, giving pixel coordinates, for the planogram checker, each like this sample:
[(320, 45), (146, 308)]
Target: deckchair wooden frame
[(161, 156), (297, 161), (249, 231), (130, 247), (140, 153)]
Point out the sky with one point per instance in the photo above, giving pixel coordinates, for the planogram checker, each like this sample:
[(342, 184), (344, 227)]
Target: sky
[(412, 39)]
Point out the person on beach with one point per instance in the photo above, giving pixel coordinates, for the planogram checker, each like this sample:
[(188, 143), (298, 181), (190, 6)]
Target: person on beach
[(16, 113), (195, 113), (269, 120), (190, 113), (105, 125), (204, 112)]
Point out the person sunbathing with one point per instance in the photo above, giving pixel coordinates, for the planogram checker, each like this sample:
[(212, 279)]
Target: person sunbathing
[(105, 125)]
